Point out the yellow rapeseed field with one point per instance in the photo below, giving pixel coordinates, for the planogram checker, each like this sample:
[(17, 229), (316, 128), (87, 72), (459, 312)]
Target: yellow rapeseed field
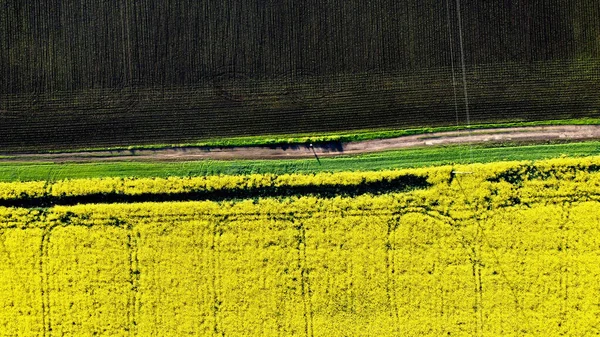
[(504, 249)]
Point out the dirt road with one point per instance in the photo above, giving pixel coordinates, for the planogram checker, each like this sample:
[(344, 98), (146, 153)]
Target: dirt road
[(479, 136)]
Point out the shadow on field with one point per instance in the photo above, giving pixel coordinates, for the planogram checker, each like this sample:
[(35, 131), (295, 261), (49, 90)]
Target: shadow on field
[(334, 146), (400, 184), (517, 175)]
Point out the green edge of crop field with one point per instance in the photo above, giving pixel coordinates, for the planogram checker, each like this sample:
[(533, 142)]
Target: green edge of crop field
[(345, 136), (374, 161)]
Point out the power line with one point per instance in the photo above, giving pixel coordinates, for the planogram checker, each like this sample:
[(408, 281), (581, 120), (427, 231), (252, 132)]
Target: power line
[(464, 75), (451, 38)]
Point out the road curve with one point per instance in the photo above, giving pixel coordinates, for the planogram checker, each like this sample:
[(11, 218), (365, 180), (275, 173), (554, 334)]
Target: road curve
[(537, 134)]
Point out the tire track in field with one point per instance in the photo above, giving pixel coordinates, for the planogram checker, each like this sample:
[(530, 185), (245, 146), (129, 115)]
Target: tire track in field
[(304, 278), (535, 134), (134, 278), (44, 279), (564, 252), (392, 225), (215, 266)]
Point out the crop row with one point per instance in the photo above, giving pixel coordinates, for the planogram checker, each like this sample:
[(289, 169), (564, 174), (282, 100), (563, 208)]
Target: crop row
[(49, 46), (118, 117)]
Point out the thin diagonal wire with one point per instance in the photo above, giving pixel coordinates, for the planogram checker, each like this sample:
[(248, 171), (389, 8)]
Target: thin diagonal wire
[(451, 40), (451, 43), (464, 75)]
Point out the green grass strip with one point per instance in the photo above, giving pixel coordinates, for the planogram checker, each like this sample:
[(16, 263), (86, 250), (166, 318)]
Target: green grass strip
[(375, 161)]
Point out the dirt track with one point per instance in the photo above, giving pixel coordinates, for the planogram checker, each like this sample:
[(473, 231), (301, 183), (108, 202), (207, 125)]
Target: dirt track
[(480, 136)]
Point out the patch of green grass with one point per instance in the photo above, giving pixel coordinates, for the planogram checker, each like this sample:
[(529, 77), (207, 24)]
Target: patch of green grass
[(346, 136), (374, 161)]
